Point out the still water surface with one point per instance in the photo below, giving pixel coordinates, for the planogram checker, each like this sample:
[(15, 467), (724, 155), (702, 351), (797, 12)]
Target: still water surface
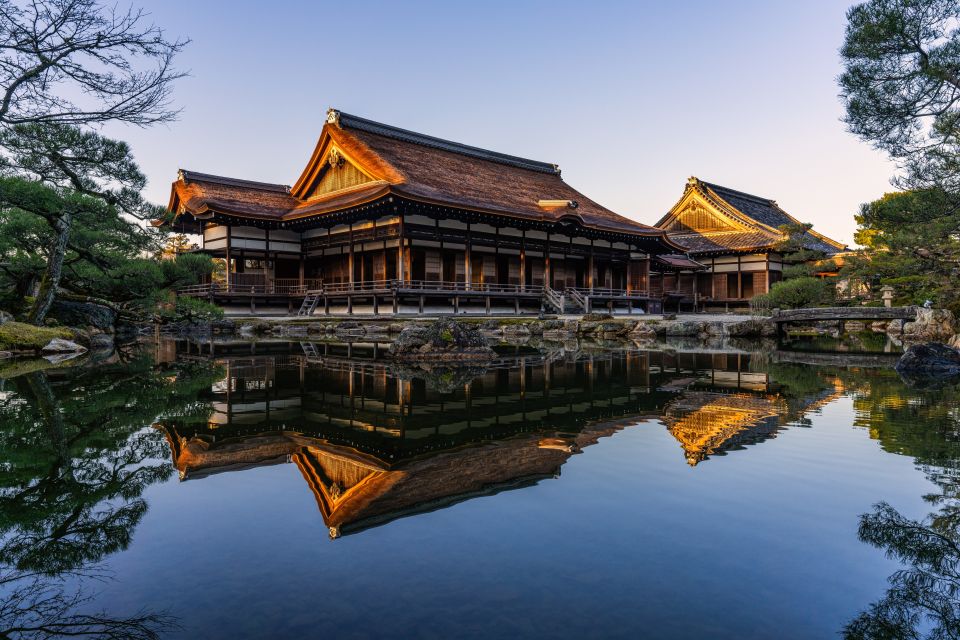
[(290, 491)]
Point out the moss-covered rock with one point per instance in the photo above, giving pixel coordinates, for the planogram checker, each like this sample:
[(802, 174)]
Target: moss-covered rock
[(442, 340), (18, 336)]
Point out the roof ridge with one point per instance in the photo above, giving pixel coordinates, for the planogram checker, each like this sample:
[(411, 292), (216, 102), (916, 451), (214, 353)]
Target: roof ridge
[(197, 176), (405, 135), (744, 194)]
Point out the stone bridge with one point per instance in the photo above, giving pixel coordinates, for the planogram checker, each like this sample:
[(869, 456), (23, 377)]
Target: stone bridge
[(840, 315)]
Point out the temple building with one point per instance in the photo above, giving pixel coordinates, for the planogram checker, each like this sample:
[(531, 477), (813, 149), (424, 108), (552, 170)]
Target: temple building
[(735, 235), (387, 220)]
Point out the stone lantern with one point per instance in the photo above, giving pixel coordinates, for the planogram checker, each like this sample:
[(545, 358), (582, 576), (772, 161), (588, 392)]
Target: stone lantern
[(886, 294)]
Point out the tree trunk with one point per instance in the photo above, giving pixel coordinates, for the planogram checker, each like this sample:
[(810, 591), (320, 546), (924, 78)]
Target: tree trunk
[(51, 277)]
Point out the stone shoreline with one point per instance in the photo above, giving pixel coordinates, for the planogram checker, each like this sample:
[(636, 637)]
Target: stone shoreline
[(598, 326)]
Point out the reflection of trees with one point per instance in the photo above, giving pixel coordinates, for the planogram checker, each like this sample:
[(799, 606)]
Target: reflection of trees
[(923, 600), (41, 606), (77, 458), (923, 596)]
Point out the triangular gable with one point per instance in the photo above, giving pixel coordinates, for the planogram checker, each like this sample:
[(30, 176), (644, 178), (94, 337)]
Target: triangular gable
[(695, 212), (340, 161), (336, 173)]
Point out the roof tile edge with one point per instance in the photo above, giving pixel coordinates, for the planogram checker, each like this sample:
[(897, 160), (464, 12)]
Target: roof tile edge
[(348, 121)]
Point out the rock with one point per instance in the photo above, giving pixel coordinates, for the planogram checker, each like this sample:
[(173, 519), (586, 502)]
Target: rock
[(684, 328), (754, 328), (596, 317), (931, 325), (612, 329), (59, 345), (515, 330), (714, 329), (81, 314), (5, 317), (643, 331), (894, 327), (445, 377), (929, 363), (57, 358), (350, 329), (443, 340), (101, 342), (854, 326), (954, 342)]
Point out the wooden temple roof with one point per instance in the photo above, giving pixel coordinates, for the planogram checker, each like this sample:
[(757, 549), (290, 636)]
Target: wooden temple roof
[(384, 160), (742, 222)]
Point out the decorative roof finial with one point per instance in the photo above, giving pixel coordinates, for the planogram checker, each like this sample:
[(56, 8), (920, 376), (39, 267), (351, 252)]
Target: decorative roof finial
[(693, 180), (333, 117)]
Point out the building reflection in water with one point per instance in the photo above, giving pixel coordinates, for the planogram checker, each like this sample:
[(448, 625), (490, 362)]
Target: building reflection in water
[(375, 442)]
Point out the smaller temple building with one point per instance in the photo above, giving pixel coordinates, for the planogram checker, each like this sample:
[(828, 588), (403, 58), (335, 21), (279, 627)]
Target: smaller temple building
[(735, 235)]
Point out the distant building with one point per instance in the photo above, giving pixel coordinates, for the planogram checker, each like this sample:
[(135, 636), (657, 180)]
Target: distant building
[(735, 235)]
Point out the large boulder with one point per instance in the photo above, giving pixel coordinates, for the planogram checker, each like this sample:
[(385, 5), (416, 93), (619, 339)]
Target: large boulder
[(443, 340), (753, 328), (61, 345), (83, 314), (685, 328), (931, 325), (929, 363)]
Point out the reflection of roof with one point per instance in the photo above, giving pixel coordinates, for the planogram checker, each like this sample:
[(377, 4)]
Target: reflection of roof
[(707, 423), (352, 497), (387, 160), (355, 491)]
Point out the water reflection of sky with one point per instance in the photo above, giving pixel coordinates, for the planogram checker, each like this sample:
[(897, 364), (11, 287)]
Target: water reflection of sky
[(713, 495)]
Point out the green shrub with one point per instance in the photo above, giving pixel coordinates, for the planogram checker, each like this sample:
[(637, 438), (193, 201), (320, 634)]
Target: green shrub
[(798, 293), (189, 309)]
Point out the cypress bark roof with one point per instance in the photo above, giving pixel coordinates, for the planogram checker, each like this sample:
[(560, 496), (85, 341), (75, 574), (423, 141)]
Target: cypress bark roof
[(410, 165), (748, 222)]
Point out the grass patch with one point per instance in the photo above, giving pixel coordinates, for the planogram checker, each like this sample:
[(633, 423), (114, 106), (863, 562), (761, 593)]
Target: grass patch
[(15, 336)]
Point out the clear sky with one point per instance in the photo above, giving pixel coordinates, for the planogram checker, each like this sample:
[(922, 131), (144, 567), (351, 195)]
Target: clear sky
[(629, 98)]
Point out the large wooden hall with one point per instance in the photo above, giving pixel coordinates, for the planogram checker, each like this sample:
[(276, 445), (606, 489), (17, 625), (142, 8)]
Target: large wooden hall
[(384, 220)]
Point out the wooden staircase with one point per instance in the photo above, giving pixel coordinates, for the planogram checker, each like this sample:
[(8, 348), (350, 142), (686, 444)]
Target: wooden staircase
[(310, 301), (553, 299), (577, 298)]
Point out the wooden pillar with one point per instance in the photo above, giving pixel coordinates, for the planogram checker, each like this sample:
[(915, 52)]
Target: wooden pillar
[(350, 257), (547, 275), (766, 275), (523, 260), (739, 279), (229, 257), (268, 271), (401, 260), (696, 294), (302, 270), (590, 268), (467, 267)]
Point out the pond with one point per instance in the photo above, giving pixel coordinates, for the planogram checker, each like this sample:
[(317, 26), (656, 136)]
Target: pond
[(287, 490)]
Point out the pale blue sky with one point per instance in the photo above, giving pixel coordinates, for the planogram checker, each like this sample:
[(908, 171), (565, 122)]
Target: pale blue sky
[(629, 98)]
